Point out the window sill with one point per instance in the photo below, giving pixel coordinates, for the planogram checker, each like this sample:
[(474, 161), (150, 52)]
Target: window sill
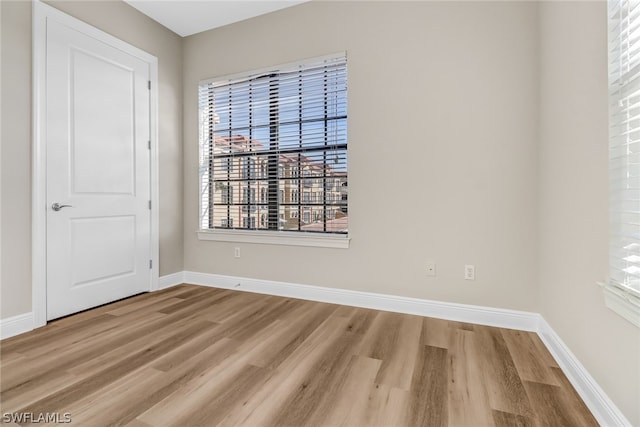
[(276, 238), (623, 302)]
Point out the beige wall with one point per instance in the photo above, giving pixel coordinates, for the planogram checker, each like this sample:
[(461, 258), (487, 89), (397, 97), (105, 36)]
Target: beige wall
[(442, 146), (15, 294), (124, 22), (573, 208)]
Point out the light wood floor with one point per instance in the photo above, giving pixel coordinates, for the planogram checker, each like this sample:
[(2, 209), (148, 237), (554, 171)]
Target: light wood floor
[(192, 356)]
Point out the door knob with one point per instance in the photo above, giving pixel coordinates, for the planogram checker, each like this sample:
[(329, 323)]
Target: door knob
[(57, 206)]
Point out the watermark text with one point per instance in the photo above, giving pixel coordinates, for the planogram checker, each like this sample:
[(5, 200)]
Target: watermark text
[(36, 417)]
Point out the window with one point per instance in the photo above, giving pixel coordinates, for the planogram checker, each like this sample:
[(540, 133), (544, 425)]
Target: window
[(622, 292), (249, 222), (248, 168), (281, 125), (263, 169), (248, 199), (227, 194), (227, 164)]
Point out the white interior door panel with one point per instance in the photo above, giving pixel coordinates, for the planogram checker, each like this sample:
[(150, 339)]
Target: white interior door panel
[(98, 168)]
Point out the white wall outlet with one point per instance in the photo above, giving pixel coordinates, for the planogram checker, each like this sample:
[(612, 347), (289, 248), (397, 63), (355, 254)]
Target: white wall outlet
[(431, 268), (236, 252), (469, 272)]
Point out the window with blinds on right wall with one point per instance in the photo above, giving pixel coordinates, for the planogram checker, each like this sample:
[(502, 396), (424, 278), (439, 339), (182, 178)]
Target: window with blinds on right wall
[(622, 291)]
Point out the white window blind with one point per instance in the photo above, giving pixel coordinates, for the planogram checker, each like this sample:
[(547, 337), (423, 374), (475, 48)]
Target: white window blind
[(265, 138), (624, 145)]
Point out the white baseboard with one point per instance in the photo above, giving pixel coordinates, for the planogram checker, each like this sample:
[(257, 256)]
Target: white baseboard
[(602, 408), (171, 280), (12, 326), (512, 319)]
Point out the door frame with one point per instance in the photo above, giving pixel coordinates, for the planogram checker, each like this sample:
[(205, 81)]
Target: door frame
[(41, 14)]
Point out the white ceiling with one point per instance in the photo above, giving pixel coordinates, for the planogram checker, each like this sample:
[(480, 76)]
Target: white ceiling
[(186, 17)]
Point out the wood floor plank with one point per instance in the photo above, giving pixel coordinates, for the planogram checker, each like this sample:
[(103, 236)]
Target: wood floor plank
[(504, 385), (110, 373), (236, 307), (351, 401), (468, 397), (89, 326), (172, 383), (571, 400), (461, 325), (135, 330), (58, 338), (259, 319), (543, 353), (523, 352), (380, 340), (113, 404), (310, 402), (428, 402), (292, 336), (137, 423), (435, 332), (388, 406), (12, 358), (361, 320), (505, 419), (188, 305), (197, 292), (146, 304), (264, 405), (552, 408), (217, 404), (37, 369), (397, 367), (70, 323), (387, 333), (211, 383), (189, 355), (12, 402)]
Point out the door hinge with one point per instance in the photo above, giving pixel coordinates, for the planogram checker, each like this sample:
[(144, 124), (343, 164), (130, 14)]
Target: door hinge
[(149, 144), (149, 204), (149, 84), (150, 264)]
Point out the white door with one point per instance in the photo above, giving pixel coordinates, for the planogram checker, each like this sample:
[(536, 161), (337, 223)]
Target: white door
[(98, 163)]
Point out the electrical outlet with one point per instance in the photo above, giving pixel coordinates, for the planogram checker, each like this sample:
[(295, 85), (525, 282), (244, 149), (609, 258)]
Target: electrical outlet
[(431, 268), (236, 252), (469, 272)]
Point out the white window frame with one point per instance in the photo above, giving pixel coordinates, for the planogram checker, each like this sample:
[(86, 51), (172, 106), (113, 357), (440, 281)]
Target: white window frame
[(624, 71), (293, 238)]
